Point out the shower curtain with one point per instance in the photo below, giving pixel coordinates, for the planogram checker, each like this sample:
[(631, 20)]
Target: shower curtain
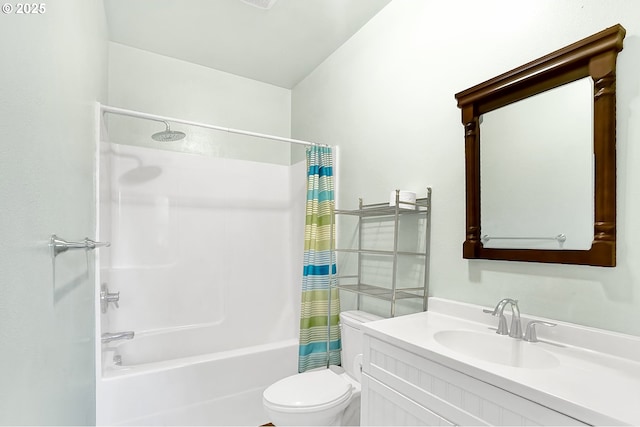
[(319, 329)]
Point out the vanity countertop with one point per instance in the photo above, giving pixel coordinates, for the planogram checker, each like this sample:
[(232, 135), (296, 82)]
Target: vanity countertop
[(595, 376)]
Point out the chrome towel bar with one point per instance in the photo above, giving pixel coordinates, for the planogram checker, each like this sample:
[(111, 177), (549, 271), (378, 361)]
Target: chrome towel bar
[(560, 238), (59, 245)]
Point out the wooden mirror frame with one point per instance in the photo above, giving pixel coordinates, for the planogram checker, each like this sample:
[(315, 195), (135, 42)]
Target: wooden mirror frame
[(594, 56)]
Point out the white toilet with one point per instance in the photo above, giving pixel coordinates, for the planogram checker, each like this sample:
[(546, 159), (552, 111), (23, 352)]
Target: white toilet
[(327, 397)]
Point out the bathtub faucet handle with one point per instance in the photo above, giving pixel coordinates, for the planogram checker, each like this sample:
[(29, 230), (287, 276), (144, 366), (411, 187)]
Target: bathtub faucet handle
[(106, 297)]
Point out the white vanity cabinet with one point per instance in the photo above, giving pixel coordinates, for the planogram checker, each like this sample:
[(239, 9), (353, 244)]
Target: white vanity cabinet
[(403, 388)]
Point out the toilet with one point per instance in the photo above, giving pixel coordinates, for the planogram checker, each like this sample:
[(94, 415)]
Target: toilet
[(327, 397)]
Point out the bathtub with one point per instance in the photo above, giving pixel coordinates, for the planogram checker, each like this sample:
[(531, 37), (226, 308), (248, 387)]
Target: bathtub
[(222, 388)]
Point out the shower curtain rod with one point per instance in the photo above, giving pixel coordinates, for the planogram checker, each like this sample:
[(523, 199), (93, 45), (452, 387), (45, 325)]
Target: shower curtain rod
[(140, 115)]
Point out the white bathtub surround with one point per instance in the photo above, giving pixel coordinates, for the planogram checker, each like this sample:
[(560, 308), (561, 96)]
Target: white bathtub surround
[(204, 253), (585, 374), (202, 241)]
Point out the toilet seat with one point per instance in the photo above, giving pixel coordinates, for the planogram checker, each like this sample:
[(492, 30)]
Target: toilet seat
[(308, 392)]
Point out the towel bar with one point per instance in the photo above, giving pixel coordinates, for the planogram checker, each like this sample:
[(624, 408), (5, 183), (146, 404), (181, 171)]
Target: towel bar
[(59, 245)]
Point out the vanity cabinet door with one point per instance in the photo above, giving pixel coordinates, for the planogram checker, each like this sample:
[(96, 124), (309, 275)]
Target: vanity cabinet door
[(382, 406), (450, 394)]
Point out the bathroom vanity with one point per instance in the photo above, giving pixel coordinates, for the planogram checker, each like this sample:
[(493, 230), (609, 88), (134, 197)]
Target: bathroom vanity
[(447, 366)]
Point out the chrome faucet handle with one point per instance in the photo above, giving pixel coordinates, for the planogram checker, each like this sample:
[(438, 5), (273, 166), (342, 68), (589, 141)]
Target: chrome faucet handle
[(106, 297), (498, 311), (530, 332), (114, 298), (502, 322)]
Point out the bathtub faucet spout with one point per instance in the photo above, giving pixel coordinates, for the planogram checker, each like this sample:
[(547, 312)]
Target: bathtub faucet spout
[(114, 336)]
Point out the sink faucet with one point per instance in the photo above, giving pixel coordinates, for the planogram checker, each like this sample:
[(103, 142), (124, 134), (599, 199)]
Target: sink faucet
[(516, 326), (109, 336)]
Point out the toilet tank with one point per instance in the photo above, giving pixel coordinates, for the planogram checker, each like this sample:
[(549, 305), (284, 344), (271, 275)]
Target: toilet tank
[(350, 322)]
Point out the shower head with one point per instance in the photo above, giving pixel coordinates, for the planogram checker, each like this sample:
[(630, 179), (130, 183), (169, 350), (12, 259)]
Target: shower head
[(168, 135)]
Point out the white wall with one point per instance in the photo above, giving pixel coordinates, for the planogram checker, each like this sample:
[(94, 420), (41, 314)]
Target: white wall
[(387, 98), (156, 84), (53, 72)]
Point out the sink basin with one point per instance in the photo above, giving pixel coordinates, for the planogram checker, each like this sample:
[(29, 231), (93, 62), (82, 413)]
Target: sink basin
[(495, 348)]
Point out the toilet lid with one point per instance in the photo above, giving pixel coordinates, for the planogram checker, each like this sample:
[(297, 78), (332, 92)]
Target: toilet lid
[(308, 390)]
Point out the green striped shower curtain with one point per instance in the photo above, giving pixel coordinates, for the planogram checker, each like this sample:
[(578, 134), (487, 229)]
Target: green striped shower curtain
[(319, 329)]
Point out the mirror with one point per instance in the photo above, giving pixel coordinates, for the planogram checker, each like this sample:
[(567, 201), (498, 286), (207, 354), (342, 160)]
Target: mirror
[(552, 197), (555, 210)]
